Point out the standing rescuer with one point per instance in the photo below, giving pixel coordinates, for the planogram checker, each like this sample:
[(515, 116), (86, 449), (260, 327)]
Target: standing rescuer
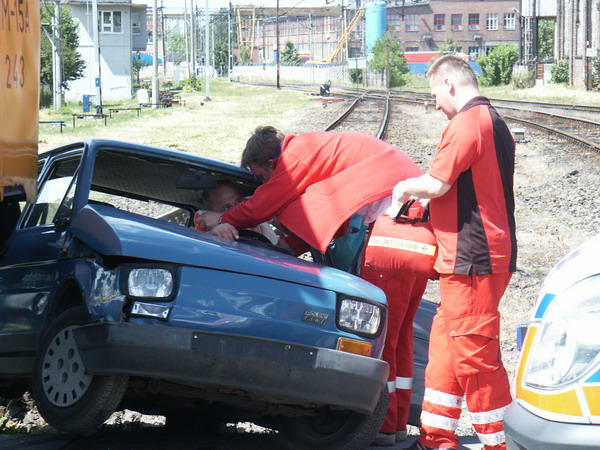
[(470, 184), (314, 183)]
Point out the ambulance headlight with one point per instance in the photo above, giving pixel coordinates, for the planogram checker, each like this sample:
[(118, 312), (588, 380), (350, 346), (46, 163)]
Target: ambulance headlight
[(568, 342), (360, 317)]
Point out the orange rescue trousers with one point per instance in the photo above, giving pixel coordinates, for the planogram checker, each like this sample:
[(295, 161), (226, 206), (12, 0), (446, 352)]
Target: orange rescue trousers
[(465, 360), (404, 293)]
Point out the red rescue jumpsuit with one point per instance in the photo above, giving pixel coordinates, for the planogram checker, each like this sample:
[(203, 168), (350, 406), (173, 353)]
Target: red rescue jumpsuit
[(475, 229), (320, 180)]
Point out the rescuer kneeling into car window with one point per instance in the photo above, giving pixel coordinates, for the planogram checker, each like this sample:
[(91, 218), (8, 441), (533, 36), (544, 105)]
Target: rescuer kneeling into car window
[(314, 183), (470, 184)]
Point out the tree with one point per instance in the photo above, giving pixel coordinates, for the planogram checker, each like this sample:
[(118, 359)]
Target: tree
[(220, 30), (176, 51), (449, 47), (497, 65), (289, 55), (137, 63), (545, 39), (72, 64), (389, 48), (245, 56)]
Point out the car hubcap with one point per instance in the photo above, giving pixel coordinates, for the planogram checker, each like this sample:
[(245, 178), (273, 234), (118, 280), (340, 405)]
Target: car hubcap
[(63, 375)]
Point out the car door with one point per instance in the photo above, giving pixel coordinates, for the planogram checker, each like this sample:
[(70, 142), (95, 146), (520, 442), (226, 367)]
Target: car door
[(29, 263)]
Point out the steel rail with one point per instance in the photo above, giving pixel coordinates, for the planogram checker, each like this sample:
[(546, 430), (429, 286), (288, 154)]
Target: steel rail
[(336, 123), (568, 106), (385, 120), (577, 139), (552, 115)]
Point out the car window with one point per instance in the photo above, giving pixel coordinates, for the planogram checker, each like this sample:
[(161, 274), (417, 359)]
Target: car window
[(148, 208), (52, 200)]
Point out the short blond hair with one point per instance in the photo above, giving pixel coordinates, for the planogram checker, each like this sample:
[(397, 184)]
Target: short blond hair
[(457, 66)]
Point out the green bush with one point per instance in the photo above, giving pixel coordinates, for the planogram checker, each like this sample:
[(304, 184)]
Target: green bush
[(560, 72), (522, 78), (356, 76), (192, 84), (498, 64), (596, 72)]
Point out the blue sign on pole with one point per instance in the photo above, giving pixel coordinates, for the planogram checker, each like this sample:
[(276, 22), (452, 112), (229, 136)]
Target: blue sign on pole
[(97, 82)]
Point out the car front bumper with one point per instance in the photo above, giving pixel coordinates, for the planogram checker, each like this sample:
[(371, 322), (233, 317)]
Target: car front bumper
[(525, 430), (281, 372)]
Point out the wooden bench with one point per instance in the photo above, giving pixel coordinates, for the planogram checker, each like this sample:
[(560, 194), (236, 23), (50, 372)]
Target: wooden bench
[(116, 110), (84, 115), (55, 122)]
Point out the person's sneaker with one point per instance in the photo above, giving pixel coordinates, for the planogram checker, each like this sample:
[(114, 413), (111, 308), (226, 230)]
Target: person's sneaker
[(401, 435), (384, 439)]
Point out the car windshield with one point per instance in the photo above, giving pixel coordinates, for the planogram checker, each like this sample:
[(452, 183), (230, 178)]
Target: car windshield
[(149, 185)]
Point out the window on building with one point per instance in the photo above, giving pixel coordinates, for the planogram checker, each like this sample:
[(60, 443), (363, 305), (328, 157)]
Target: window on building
[(474, 22), (509, 21), (136, 25), (412, 49), (473, 52), (393, 22), (491, 21), (111, 22), (456, 22), (411, 22), (488, 50), (439, 22)]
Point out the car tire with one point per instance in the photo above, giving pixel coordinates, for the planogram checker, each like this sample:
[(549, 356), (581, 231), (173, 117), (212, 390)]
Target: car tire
[(67, 397), (332, 429)]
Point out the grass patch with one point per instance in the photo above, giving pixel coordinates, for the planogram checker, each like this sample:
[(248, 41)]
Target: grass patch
[(218, 128)]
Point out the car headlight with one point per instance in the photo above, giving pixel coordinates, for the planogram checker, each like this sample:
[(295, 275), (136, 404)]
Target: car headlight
[(149, 282), (360, 317), (568, 342)]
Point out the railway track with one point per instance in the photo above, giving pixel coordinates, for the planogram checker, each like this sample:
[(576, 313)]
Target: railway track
[(360, 113), (577, 123)]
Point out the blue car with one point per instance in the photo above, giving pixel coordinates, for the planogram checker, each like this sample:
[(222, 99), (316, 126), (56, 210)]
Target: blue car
[(110, 299)]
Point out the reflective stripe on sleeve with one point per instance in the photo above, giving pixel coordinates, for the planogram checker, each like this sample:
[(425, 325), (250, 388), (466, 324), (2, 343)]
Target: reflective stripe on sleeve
[(437, 421), (403, 383), (442, 398), (481, 418), (391, 385), (492, 438)]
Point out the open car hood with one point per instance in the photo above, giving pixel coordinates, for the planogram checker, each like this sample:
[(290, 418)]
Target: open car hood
[(111, 231)]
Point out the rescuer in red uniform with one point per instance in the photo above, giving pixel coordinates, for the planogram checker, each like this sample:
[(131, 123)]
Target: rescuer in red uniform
[(313, 183), (470, 184)]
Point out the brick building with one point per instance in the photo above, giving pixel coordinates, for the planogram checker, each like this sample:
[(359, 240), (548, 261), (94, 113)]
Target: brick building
[(421, 25), (477, 26)]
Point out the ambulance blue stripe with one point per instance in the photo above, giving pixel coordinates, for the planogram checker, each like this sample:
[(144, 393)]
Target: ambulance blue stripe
[(595, 378), (543, 306)]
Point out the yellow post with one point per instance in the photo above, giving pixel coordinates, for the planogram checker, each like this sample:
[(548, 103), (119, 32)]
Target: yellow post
[(19, 94)]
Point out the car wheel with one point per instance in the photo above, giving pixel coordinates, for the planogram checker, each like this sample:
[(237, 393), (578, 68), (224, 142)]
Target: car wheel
[(331, 429), (67, 397)]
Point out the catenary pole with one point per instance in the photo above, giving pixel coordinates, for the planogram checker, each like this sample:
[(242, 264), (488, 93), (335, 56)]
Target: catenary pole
[(206, 51), (155, 91)]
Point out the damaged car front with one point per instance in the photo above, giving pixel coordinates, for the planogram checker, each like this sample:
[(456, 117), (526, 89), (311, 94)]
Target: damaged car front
[(109, 298)]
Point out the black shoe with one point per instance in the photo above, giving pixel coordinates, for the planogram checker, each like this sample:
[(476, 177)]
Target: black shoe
[(418, 446)]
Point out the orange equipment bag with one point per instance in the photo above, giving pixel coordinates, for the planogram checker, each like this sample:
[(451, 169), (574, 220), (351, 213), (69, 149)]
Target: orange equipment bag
[(404, 244)]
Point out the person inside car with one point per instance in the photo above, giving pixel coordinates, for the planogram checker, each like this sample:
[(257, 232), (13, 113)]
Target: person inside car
[(224, 197)]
